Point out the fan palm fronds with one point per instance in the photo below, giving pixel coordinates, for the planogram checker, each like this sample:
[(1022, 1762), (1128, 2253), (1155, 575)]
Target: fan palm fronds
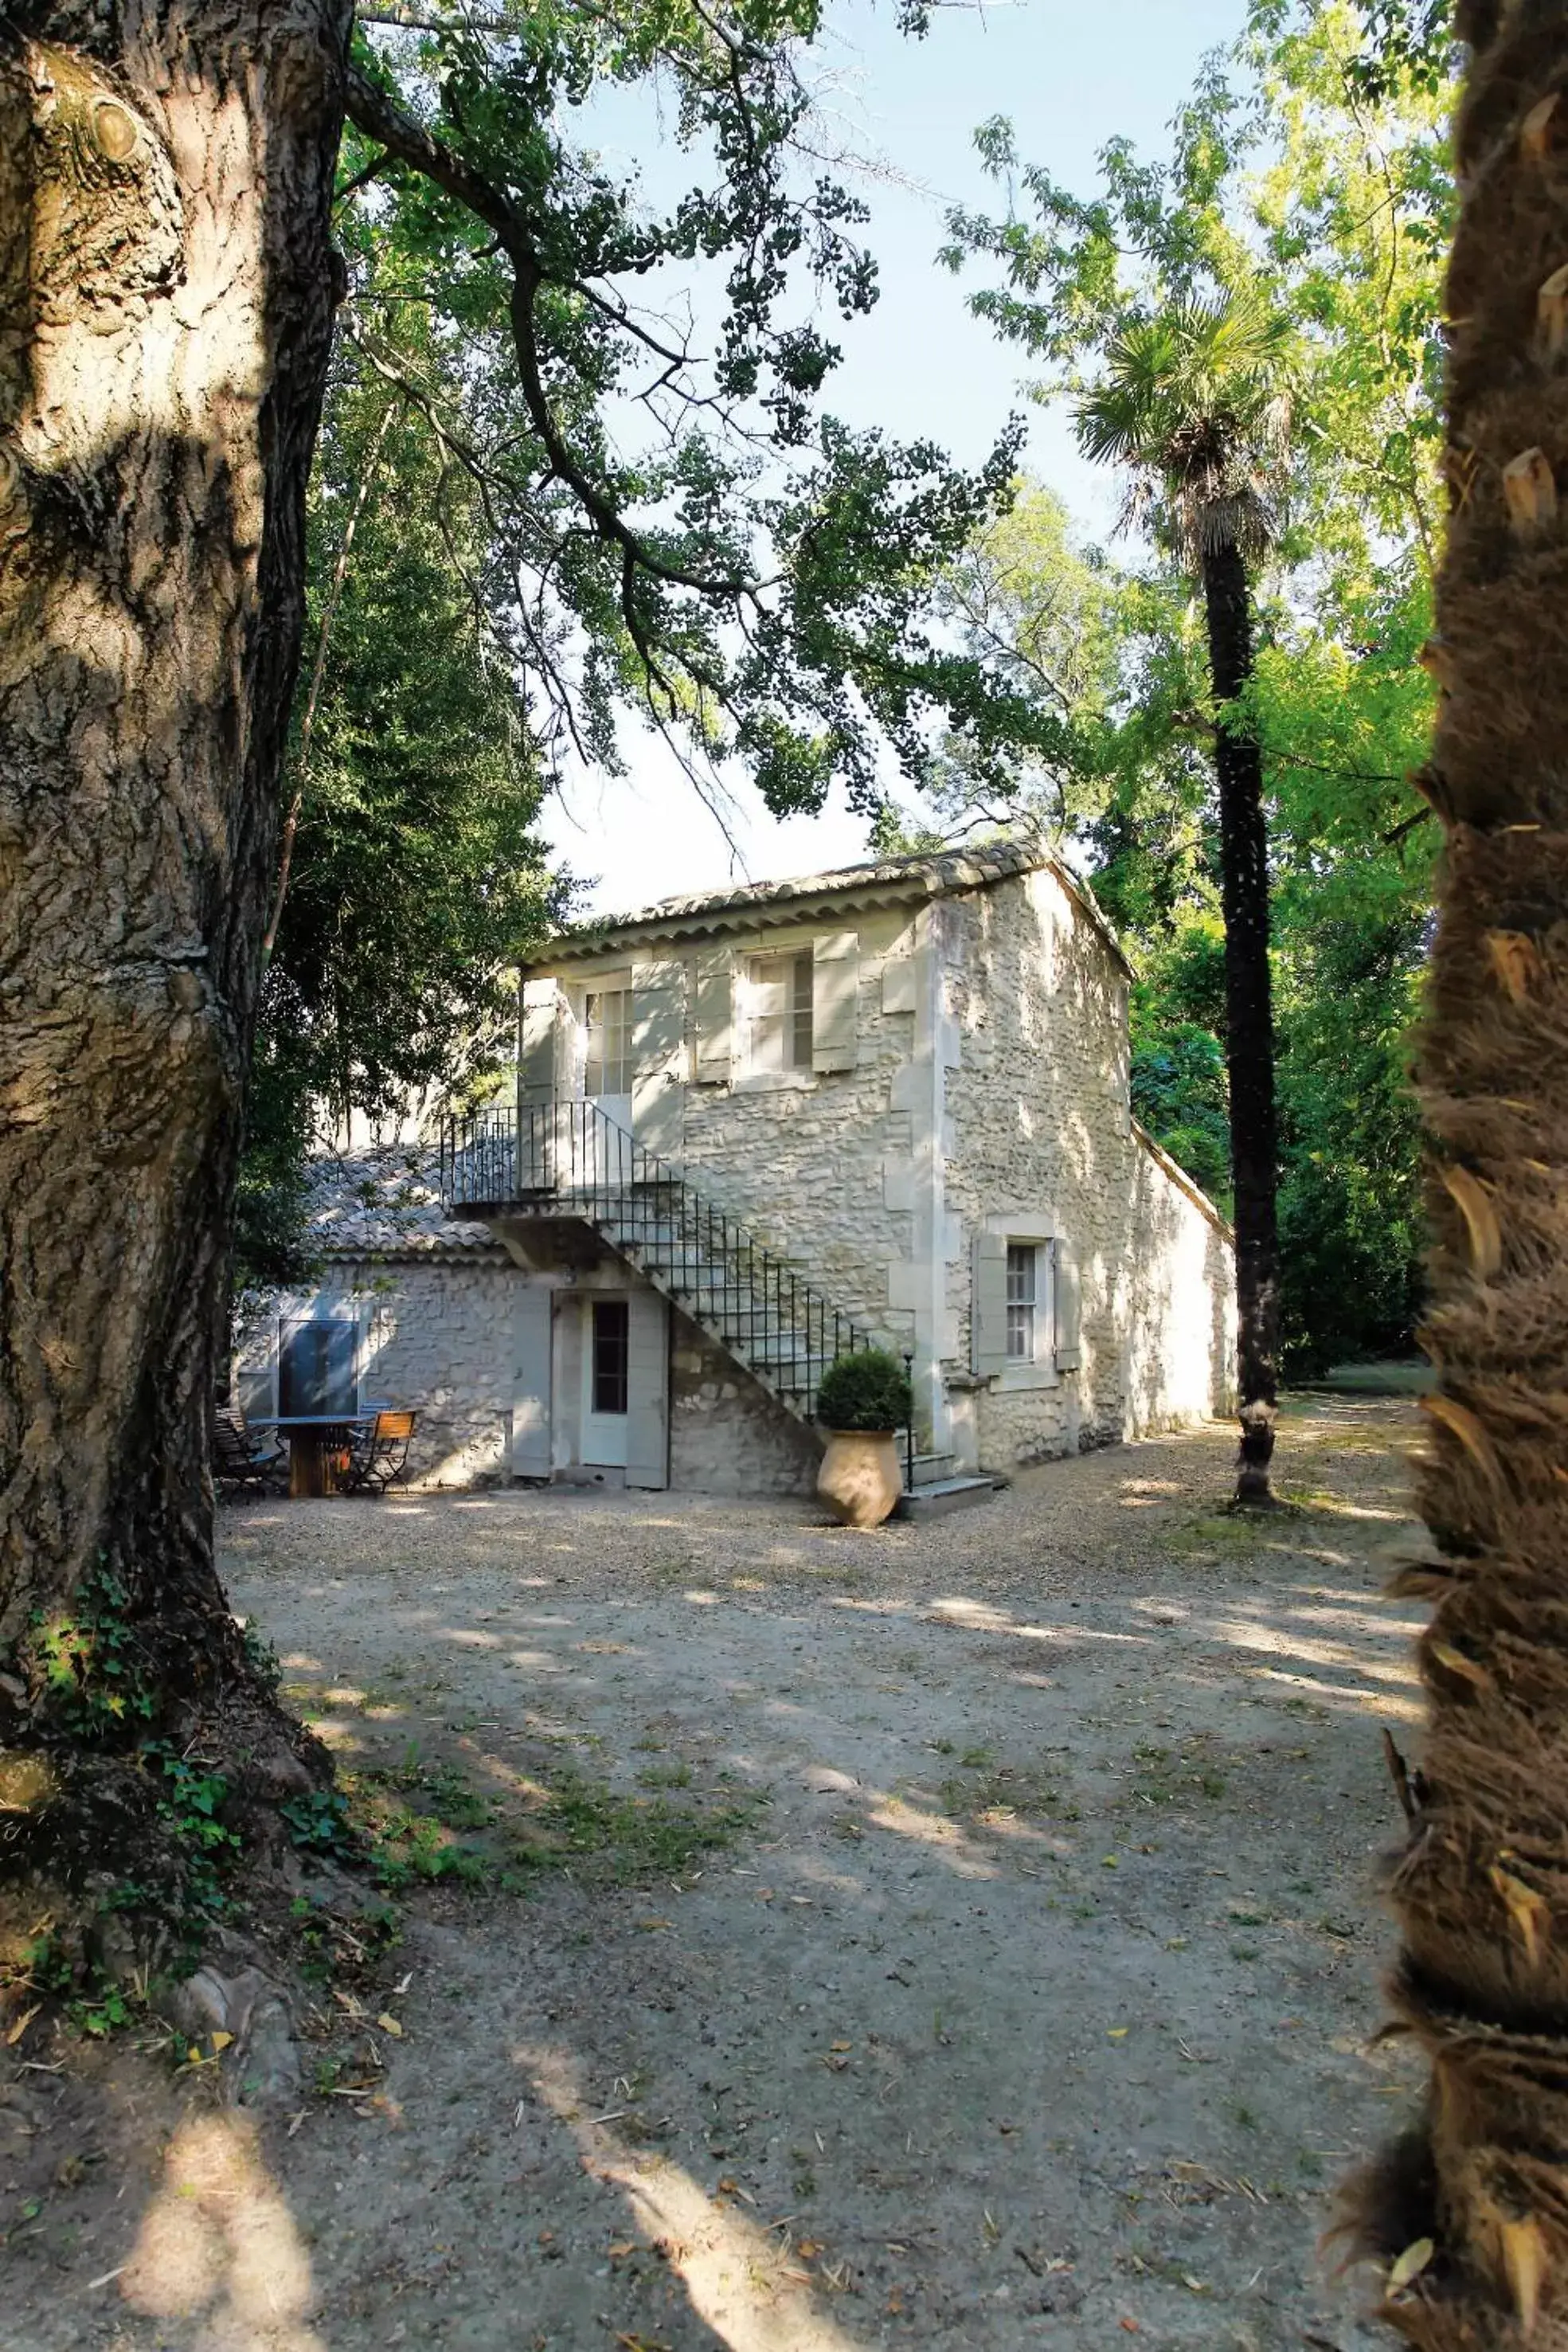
[(1195, 401)]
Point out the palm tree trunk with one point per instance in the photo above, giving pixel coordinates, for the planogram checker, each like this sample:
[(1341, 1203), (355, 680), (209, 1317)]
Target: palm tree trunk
[(1481, 1892), (1249, 1026)]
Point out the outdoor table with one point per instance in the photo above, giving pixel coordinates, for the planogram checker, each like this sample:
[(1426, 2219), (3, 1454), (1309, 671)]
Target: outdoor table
[(317, 1447)]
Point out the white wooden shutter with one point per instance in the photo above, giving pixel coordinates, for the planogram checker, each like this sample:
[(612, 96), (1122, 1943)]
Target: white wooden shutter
[(647, 1391), (714, 1009), (1069, 1354), (835, 994), (989, 1306), (536, 1042), (531, 1380), (659, 1052)]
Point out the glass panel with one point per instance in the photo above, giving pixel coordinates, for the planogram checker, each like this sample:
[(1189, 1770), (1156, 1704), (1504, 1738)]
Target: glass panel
[(780, 1003), (315, 1370), (607, 1017), (1023, 1259), (612, 1335), (802, 1037)]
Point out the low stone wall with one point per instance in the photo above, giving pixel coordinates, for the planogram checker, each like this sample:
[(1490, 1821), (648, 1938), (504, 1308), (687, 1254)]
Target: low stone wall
[(1181, 1353)]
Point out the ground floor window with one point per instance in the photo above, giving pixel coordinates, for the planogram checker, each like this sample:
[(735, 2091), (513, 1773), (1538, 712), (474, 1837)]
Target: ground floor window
[(1025, 1300), (316, 1369), (612, 1350)]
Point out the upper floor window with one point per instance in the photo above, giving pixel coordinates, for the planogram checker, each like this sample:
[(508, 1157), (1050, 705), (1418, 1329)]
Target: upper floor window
[(779, 990), (607, 1020), (1024, 1302)]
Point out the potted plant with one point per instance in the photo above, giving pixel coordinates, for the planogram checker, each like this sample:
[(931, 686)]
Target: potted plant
[(861, 1400)]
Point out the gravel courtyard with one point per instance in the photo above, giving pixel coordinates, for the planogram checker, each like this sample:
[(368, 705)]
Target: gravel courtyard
[(1023, 1997)]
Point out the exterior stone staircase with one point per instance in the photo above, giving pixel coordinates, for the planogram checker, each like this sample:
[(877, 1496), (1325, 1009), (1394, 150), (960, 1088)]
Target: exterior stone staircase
[(568, 1160)]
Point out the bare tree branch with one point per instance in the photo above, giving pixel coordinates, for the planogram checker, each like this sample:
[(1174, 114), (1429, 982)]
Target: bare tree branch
[(376, 114)]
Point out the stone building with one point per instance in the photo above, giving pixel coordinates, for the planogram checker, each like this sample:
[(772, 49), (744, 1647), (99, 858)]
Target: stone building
[(750, 1130)]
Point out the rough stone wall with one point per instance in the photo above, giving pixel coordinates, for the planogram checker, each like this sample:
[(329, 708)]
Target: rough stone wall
[(1181, 1360), (433, 1335), (800, 1166), (437, 1336), (727, 1435), (1040, 1127)]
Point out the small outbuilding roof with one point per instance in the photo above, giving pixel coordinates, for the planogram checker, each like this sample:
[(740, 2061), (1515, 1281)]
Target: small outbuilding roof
[(385, 1203), (882, 881)]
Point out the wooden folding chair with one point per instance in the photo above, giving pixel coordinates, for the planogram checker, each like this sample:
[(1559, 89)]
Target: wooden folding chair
[(380, 1456)]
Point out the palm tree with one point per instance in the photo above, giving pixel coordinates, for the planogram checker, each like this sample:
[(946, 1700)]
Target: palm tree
[(1471, 2208), (1193, 402)]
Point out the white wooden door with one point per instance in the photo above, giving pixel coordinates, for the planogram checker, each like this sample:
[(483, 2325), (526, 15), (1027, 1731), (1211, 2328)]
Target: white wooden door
[(606, 1381)]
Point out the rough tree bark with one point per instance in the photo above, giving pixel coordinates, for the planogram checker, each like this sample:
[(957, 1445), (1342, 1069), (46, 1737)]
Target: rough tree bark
[(1481, 1890), (1249, 1026), (166, 294)]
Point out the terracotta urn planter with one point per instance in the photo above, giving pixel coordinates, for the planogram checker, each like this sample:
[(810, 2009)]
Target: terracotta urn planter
[(858, 1480)]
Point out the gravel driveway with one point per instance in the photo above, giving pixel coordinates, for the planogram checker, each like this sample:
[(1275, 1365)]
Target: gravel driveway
[(1022, 1998)]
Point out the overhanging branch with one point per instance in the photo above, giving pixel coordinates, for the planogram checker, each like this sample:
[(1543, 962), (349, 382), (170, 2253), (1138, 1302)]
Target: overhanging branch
[(380, 118), (423, 20)]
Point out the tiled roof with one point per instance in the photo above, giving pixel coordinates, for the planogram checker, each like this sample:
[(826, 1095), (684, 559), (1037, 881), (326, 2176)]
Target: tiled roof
[(938, 874), (386, 1203)]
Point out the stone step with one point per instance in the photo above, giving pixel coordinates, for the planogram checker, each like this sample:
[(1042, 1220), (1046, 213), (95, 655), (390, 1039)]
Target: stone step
[(930, 1469), (945, 1495)]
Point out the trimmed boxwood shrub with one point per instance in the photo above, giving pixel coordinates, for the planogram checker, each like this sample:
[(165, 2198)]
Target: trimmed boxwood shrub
[(869, 1389)]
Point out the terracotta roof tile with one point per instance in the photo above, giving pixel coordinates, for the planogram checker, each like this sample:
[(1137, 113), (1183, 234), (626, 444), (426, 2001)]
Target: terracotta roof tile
[(386, 1201)]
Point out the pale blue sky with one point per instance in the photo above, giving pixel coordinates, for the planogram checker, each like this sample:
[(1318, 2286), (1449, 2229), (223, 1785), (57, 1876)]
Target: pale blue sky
[(1071, 77)]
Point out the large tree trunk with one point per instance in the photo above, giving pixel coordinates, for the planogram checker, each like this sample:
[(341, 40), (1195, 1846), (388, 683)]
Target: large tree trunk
[(166, 292), (1249, 1026), (1481, 1892)]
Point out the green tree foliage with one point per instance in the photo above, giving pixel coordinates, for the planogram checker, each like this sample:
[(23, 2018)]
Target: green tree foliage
[(415, 872), (1329, 203), (1046, 615), (607, 485), (676, 521)]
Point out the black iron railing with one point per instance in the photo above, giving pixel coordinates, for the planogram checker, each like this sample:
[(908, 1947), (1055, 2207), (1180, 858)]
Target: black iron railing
[(566, 1159)]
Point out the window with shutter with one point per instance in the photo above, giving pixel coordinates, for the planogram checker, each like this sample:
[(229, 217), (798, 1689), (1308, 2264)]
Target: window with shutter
[(1023, 1282), (539, 1077), (1025, 1305), (988, 1307), (779, 1027), (1069, 1350), (835, 1000), (607, 1020), (659, 1054), (714, 1006)]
